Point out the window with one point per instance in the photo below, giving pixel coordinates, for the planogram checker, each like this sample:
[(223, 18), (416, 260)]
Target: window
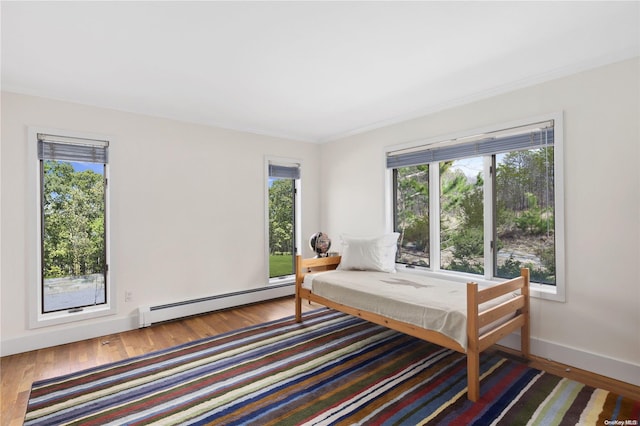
[(486, 204), (283, 184), (411, 214), (73, 260), (461, 215)]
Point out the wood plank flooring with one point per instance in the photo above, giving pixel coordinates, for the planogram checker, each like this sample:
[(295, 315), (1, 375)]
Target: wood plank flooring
[(21, 370)]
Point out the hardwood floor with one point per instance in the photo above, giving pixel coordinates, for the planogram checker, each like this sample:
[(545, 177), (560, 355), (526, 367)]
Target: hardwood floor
[(21, 370)]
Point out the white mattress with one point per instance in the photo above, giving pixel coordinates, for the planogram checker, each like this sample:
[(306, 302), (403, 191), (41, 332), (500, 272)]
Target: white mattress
[(429, 303)]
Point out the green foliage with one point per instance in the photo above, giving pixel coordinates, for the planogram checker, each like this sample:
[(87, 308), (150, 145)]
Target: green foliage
[(452, 191), (468, 243), (511, 269), (280, 265), (281, 216), (520, 173), (462, 210), (506, 219), (412, 198), (525, 212), (548, 258), (417, 232), (472, 205), (534, 220), (468, 250), (465, 266), (73, 217)]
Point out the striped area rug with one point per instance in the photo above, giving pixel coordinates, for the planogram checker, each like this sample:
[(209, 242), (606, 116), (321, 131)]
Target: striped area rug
[(331, 369)]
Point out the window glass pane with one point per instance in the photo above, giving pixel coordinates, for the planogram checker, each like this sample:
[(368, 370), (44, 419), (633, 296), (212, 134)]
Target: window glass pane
[(281, 227), (73, 235), (462, 215), (525, 234), (411, 214)]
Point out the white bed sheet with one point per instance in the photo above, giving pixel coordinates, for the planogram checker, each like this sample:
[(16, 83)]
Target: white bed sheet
[(427, 302)]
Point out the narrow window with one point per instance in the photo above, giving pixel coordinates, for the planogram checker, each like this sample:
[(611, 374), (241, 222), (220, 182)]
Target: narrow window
[(73, 254), (462, 215), (525, 214), (283, 184), (411, 215)]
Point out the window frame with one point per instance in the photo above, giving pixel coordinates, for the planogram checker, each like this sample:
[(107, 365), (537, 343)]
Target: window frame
[(297, 208), (543, 291), (37, 318)]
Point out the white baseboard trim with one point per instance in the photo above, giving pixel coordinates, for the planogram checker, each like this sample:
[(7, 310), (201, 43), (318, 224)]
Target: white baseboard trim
[(46, 337), (148, 315), (609, 367)]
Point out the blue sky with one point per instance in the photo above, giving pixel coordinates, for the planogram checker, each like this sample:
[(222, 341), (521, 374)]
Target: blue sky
[(81, 167), (469, 166)]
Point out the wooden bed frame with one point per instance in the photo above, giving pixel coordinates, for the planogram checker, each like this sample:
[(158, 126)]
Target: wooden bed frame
[(476, 319)]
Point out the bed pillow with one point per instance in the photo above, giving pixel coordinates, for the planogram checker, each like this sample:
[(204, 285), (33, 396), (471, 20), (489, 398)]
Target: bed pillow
[(369, 254)]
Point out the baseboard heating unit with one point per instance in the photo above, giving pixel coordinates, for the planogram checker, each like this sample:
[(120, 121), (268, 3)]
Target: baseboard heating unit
[(148, 315)]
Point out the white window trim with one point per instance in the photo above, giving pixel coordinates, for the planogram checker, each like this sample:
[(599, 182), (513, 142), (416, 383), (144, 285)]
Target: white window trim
[(542, 291), (38, 319), (283, 161)]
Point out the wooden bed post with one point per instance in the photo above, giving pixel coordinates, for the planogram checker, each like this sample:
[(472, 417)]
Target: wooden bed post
[(473, 343), (525, 332)]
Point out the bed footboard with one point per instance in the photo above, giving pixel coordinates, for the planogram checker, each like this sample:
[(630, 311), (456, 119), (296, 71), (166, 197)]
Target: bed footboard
[(517, 309)]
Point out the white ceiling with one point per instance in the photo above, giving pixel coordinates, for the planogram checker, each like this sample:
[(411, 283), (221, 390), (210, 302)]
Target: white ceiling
[(311, 71)]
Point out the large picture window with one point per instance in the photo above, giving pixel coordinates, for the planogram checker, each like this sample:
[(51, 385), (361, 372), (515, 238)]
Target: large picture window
[(484, 204), (73, 226)]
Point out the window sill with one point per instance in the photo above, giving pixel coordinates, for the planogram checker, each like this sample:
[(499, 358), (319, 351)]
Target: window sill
[(286, 279), (66, 317)]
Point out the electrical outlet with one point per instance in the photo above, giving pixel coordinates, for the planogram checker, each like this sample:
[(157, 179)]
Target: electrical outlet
[(128, 296)]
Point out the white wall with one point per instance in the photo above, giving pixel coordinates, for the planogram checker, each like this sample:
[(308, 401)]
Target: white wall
[(187, 210), (598, 328)]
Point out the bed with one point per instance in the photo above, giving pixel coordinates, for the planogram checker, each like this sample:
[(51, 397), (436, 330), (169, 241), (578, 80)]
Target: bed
[(477, 319)]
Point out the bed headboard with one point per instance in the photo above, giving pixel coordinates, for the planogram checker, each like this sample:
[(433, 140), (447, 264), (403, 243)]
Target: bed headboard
[(315, 264)]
